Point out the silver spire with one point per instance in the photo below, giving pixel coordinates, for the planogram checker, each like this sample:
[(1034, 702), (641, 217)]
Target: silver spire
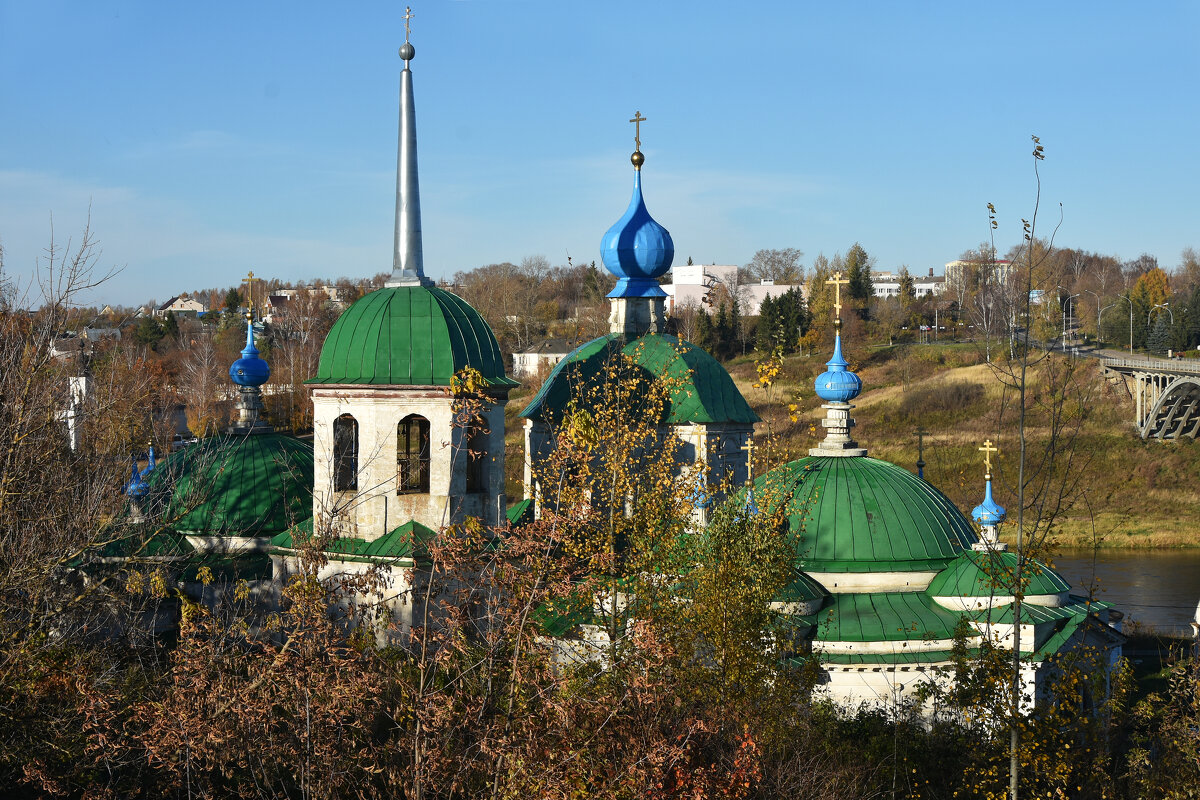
[(408, 262)]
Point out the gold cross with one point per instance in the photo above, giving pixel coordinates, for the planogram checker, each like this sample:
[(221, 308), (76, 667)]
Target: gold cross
[(987, 451), (838, 282), (249, 281), (407, 16), (749, 448), (637, 121)]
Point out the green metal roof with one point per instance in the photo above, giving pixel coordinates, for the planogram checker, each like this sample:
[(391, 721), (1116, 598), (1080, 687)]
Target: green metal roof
[(700, 388), (409, 336), (403, 543), (802, 588), (1036, 615), (234, 485), (858, 514), (889, 659), (882, 617), (975, 574), (521, 513)]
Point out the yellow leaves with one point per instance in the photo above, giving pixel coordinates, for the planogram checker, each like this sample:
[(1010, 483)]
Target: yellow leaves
[(204, 575), (580, 430), (159, 587), (768, 369)]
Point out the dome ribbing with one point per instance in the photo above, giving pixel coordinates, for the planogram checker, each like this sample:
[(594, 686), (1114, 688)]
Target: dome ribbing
[(860, 514), (409, 336), (235, 485), (700, 389)]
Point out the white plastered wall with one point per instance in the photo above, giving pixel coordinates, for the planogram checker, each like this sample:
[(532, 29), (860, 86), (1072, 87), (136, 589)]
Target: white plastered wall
[(376, 508)]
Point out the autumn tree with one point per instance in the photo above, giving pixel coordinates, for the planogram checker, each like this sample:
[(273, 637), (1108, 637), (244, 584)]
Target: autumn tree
[(781, 266)]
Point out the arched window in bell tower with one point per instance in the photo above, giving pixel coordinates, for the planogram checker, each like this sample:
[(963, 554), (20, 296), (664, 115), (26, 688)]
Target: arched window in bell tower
[(477, 458), (412, 455), (345, 454)]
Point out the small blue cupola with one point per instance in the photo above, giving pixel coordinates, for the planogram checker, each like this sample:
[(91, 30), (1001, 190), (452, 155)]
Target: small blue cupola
[(637, 249), (150, 464), (249, 370), (136, 487), (838, 384), (989, 512)]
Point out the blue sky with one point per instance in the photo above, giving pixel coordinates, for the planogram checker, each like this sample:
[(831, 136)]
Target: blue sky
[(210, 139)]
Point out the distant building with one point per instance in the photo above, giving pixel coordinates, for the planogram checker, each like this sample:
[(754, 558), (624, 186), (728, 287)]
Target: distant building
[(693, 282), (278, 300), (544, 354), (887, 284), (956, 270), (96, 334), (181, 305)]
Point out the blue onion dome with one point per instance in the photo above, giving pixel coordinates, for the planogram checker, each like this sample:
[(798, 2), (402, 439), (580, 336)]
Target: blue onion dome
[(249, 370), (838, 384), (150, 463), (136, 487), (637, 249), (989, 512)]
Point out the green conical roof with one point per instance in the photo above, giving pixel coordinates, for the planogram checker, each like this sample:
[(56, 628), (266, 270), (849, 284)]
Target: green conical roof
[(700, 389), (235, 485), (859, 514), (409, 336), (975, 574)]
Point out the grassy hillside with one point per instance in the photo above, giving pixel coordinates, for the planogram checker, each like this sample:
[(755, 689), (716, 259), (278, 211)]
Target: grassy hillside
[(1141, 494)]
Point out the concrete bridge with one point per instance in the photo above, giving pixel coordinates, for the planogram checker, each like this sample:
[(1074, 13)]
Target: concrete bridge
[(1165, 392)]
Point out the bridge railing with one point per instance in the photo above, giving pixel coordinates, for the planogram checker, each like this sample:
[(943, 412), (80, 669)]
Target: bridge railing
[(1152, 365)]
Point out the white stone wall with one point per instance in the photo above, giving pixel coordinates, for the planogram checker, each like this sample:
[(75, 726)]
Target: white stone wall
[(376, 508), (389, 608)]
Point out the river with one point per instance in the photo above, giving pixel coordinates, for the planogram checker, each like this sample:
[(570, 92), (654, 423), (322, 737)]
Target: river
[(1159, 588)]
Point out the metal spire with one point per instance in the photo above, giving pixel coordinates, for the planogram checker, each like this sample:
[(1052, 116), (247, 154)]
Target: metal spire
[(408, 262)]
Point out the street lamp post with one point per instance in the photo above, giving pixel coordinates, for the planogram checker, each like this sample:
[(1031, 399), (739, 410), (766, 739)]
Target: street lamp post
[(1066, 310)]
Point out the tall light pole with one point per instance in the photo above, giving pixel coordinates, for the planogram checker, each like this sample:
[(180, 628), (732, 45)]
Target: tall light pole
[(1066, 309)]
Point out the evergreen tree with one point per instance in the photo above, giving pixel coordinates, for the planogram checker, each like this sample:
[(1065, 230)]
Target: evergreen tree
[(766, 334), (721, 333), (148, 332), (591, 283), (908, 290), (735, 343), (233, 301), (171, 327), (861, 287), (1160, 335), (704, 331)]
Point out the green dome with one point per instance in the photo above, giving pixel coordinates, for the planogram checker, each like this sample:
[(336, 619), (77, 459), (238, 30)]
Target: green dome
[(701, 389), (234, 485), (975, 574), (409, 336), (858, 514)]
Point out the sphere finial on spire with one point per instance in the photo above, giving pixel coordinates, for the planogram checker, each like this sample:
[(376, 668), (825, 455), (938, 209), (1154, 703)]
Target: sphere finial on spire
[(637, 158), (407, 51)]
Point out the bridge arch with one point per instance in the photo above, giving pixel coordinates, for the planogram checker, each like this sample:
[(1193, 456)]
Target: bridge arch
[(1176, 412)]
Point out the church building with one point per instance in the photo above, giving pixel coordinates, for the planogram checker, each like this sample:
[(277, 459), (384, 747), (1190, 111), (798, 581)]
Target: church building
[(886, 567)]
